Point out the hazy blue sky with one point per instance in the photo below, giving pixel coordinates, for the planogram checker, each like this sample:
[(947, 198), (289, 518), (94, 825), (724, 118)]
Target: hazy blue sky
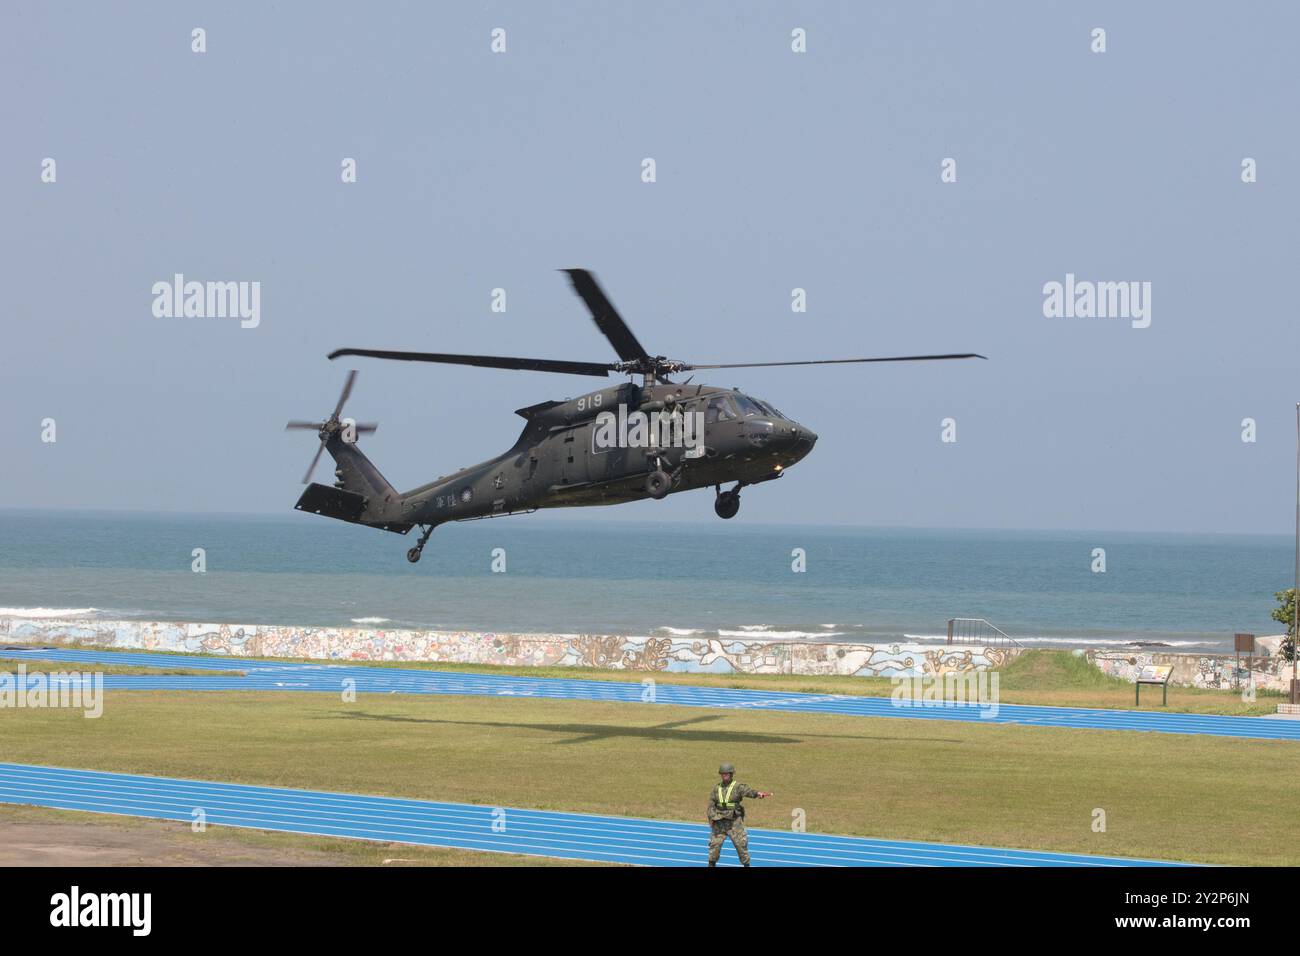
[(775, 170)]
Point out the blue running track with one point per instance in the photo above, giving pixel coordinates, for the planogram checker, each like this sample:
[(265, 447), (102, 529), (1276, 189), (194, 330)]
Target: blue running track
[(273, 675), (571, 836)]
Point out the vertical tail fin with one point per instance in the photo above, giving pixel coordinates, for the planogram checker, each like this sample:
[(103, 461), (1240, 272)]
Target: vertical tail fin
[(360, 495), (357, 473)]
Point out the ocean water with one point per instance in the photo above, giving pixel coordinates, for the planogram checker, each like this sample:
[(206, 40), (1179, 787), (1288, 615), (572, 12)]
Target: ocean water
[(1189, 592)]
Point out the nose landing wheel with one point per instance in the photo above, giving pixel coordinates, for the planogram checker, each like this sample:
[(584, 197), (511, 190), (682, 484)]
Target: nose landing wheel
[(413, 555), (727, 503)]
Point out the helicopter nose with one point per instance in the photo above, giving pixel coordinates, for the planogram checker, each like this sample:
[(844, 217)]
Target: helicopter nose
[(799, 441), (804, 438)]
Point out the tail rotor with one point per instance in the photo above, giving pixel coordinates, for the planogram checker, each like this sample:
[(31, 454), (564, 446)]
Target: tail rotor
[(333, 425)]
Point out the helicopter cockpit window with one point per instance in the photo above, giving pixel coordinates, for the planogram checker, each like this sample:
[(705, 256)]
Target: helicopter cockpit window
[(748, 407), (719, 409), (769, 409)]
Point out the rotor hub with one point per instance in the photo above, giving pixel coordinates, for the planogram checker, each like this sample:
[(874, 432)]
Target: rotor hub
[(652, 367)]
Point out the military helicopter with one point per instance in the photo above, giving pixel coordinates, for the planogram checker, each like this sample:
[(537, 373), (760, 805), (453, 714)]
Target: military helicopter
[(625, 443)]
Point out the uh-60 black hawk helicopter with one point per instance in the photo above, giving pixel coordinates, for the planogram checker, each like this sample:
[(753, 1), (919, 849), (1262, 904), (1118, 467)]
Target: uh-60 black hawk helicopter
[(565, 457)]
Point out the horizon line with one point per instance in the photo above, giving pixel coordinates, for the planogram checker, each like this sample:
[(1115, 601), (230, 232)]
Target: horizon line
[(568, 519)]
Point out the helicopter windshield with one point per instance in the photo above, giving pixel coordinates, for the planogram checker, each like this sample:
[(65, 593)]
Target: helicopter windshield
[(719, 409), (749, 408)]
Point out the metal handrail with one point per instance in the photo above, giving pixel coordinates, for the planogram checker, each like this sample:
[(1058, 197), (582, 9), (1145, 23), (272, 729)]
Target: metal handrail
[(976, 630)]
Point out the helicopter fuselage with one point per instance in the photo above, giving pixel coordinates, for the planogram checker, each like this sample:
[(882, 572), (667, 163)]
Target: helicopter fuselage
[(589, 450)]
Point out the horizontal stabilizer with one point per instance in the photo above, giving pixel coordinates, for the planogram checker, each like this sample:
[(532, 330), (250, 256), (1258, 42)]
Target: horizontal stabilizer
[(344, 505)]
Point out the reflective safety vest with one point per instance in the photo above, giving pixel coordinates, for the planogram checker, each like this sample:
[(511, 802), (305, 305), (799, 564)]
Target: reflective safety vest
[(724, 796)]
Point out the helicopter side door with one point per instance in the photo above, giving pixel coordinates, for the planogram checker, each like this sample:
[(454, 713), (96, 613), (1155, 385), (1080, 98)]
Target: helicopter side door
[(606, 462), (572, 454), (722, 424)]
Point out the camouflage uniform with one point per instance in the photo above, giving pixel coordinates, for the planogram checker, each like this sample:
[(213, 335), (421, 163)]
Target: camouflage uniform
[(727, 819)]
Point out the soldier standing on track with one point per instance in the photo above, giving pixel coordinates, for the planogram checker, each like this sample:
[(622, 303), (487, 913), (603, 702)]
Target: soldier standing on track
[(727, 815)]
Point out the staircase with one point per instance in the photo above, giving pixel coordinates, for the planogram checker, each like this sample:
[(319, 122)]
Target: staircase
[(976, 630)]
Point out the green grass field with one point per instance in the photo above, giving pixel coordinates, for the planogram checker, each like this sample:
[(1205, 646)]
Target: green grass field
[(1213, 800), (38, 666)]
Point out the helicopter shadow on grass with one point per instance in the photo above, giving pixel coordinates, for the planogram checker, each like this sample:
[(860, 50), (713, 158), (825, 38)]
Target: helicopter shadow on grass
[(675, 731)]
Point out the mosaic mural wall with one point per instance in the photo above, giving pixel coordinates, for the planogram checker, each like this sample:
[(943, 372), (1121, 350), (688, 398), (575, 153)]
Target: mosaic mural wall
[(721, 656), (1191, 670)]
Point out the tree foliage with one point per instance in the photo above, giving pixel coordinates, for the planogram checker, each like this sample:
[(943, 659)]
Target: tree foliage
[(1285, 614)]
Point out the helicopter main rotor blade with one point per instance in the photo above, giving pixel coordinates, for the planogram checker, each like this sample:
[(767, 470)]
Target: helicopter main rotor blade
[(606, 316), (896, 358), (485, 361)]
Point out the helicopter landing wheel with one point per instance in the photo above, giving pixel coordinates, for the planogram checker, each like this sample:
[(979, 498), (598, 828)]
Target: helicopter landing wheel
[(658, 484), (414, 554), (727, 504)]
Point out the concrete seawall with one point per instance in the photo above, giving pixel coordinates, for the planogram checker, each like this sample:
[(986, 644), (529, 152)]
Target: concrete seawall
[(719, 656), (687, 654), (1269, 671)]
